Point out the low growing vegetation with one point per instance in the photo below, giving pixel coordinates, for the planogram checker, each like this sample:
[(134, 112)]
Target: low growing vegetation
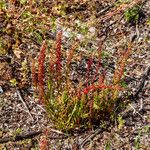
[(67, 79), (76, 104)]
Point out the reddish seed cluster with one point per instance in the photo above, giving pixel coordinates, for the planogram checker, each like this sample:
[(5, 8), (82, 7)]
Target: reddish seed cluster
[(51, 66), (119, 72), (71, 53), (43, 144), (102, 78), (41, 68)]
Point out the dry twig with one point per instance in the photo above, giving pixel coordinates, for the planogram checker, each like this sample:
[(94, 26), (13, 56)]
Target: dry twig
[(30, 135), (90, 137), (23, 102), (20, 137), (120, 9), (141, 85)]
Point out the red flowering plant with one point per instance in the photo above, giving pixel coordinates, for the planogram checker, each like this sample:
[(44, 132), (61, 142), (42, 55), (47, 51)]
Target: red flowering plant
[(79, 104), (41, 72)]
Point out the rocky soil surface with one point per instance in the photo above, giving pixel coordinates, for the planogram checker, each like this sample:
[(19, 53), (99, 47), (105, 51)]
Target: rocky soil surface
[(24, 122)]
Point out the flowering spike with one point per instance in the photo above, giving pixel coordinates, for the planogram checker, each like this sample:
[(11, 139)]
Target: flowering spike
[(102, 78), (43, 143), (71, 53), (119, 72), (41, 72)]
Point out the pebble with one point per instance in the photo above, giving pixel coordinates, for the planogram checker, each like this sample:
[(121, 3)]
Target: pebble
[(1, 90)]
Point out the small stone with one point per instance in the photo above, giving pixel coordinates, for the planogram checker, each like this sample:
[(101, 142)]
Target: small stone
[(1, 90)]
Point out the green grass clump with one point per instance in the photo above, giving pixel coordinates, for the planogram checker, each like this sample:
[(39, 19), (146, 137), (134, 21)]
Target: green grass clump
[(82, 104), (132, 14)]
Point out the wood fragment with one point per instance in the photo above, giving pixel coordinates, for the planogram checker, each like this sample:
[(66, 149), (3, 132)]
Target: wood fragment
[(120, 9), (20, 137), (141, 85), (57, 131), (23, 102), (90, 137), (28, 135)]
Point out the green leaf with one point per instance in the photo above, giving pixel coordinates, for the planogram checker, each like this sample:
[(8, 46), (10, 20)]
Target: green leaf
[(132, 14), (2, 5), (124, 84), (72, 114), (107, 146), (23, 1)]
